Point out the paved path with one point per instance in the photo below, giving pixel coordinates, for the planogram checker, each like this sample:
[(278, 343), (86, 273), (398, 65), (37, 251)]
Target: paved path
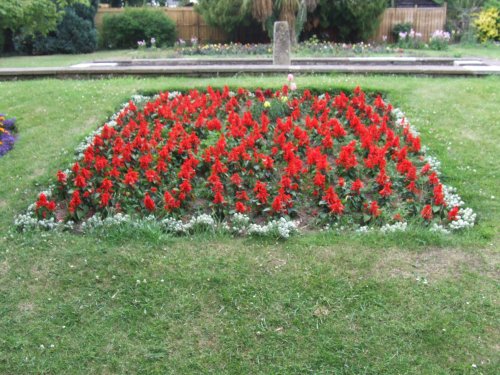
[(228, 67)]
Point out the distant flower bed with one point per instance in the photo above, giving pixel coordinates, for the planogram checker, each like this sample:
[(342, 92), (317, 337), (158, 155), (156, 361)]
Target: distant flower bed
[(253, 163), (312, 46), (7, 137)]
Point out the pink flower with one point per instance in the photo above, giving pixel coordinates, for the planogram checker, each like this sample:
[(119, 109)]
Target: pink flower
[(290, 77), (293, 86)]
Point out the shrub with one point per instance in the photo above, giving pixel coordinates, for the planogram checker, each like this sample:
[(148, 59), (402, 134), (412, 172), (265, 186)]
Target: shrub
[(125, 29), (351, 21), (75, 33), (487, 25), (401, 28)]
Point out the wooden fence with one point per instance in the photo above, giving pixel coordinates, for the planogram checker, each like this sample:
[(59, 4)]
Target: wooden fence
[(424, 20), (189, 24)]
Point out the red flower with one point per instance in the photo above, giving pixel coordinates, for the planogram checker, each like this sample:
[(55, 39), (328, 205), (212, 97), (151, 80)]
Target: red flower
[(42, 200), (242, 195), (80, 181), (218, 198), (433, 178), (131, 177), (319, 180), (260, 191), (170, 202), (186, 187), (346, 158), (236, 179), (426, 212), (332, 200), (105, 198), (151, 175), (452, 215), (374, 209), (75, 201), (386, 190), (438, 195), (149, 203), (357, 186), (240, 207), (61, 177)]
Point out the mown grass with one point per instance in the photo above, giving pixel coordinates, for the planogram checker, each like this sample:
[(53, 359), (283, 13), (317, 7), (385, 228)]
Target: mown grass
[(490, 51), (418, 303)]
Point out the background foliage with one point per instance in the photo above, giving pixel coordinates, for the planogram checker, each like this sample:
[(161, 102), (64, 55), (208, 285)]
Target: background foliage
[(75, 33), (135, 24)]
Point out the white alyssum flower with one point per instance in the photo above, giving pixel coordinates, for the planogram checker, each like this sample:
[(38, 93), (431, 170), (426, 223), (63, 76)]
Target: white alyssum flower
[(439, 229), (399, 226), (363, 229), (282, 228), (465, 219)]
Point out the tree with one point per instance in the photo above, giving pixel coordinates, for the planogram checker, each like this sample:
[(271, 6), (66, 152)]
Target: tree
[(292, 11), (350, 20), (460, 14), (33, 16), (225, 14)]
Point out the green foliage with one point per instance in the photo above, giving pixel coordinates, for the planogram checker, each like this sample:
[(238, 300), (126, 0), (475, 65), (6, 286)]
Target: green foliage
[(351, 20), (487, 25), (33, 16), (460, 14), (124, 30), (75, 33), (225, 14), (401, 28)]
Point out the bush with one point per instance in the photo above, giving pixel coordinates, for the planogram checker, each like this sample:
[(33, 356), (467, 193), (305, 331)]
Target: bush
[(488, 25), (124, 30), (75, 33), (401, 28), (350, 21)]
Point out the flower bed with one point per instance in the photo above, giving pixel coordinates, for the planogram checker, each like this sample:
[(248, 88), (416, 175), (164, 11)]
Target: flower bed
[(253, 162), (7, 130), (312, 46)]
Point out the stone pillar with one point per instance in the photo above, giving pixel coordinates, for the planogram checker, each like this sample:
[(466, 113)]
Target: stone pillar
[(281, 47)]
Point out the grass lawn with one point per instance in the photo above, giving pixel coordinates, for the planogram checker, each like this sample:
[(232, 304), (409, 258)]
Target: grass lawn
[(324, 303), (477, 50)]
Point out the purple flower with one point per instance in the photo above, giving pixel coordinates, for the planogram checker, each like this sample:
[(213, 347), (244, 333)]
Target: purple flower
[(7, 139), (6, 143), (9, 123)]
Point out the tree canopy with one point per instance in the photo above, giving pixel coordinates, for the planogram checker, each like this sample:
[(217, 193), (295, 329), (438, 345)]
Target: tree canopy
[(33, 16)]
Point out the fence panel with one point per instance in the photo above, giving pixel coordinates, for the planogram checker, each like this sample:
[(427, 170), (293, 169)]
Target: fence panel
[(424, 20)]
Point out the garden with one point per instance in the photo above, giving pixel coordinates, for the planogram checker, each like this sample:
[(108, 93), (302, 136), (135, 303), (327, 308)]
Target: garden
[(414, 301), (269, 224)]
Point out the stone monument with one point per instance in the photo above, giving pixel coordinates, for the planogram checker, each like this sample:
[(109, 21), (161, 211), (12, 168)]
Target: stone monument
[(281, 46)]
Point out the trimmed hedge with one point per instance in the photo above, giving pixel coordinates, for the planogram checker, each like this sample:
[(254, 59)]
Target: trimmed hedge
[(124, 30)]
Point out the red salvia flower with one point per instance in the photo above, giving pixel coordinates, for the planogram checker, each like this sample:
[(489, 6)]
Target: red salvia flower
[(452, 215), (426, 212), (149, 203)]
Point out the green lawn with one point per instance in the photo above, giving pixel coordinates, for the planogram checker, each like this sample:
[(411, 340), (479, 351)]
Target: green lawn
[(137, 301), (485, 51)]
